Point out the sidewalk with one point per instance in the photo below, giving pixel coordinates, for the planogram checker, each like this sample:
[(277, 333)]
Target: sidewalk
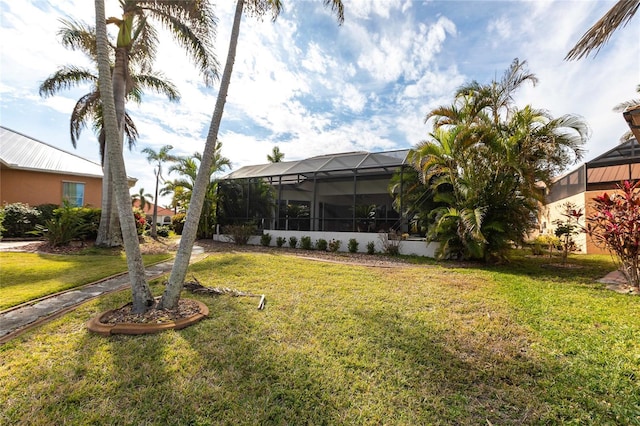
[(18, 319)]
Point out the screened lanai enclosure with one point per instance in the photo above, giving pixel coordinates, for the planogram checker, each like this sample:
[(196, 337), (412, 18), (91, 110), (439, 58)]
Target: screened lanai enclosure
[(346, 192)]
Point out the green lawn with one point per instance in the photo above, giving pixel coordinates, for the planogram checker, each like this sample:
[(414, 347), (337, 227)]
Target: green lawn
[(28, 276), (337, 344)]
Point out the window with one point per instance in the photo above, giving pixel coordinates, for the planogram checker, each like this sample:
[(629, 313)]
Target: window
[(73, 192)]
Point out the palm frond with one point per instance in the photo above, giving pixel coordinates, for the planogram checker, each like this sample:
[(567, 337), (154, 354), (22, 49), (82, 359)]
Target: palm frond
[(65, 78), (619, 15)]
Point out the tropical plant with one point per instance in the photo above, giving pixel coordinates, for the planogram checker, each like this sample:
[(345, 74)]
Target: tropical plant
[(276, 155), (353, 245), (293, 242), (187, 168), (619, 15), (68, 224), (371, 247), (306, 243), (321, 244), (142, 198), (88, 109), (244, 200), (615, 225), (483, 163), (280, 241), (567, 228), (158, 158), (240, 234), (334, 245), (19, 219), (621, 107)]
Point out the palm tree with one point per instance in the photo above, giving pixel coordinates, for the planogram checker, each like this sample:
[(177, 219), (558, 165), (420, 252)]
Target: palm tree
[(187, 168), (80, 37), (158, 157), (619, 15), (141, 293), (276, 155), (171, 294), (191, 23), (142, 199), (623, 106), (483, 161)]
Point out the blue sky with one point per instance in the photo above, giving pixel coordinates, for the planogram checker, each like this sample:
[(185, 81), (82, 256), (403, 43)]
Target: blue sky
[(312, 87)]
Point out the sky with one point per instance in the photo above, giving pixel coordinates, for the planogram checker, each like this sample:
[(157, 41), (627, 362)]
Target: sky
[(312, 87)]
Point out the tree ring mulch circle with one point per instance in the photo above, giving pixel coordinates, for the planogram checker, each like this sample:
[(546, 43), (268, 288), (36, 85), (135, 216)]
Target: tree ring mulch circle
[(110, 322)]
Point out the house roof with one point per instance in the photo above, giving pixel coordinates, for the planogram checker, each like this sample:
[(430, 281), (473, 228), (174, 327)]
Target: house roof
[(148, 209), (18, 151), (328, 165)]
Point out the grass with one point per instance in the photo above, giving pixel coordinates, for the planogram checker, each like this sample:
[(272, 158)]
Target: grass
[(337, 344), (28, 276)]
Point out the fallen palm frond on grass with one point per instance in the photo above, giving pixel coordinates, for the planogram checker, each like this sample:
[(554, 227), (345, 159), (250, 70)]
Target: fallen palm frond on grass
[(337, 344)]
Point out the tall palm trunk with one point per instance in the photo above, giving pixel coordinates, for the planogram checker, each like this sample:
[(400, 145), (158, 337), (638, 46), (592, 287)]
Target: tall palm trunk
[(109, 234), (142, 297), (173, 288), (154, 225)]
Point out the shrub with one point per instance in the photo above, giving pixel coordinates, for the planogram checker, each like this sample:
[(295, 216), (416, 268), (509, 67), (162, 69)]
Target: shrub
[(1, 222), (47, 212), (568, 227), (321, 244), (91, 217), (265, 240), (353, 245), (334, 245), (293, 242), (371, 247), (280, 241), (240, 234), (615, 225), (19, 220), (163, 231), (305, 243), (177, 221), (68, 224)]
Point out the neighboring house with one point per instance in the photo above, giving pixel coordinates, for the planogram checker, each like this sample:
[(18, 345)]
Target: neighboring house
[(591, 179), (164, 215), (36, 173)]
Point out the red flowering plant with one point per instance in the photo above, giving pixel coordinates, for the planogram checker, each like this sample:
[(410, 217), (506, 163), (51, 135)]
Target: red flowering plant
[(615, 225), (141, 220)]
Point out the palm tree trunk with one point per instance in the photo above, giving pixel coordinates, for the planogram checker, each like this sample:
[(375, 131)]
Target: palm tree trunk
[(173, 288), (154, 226), (109, 229), (142, 297)]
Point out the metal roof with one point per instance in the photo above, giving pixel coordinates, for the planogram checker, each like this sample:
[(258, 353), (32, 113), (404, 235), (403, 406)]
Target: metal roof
[(21, 152), (328, 165), (624, 153)]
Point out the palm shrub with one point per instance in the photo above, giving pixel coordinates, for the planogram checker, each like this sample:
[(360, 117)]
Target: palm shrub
[(353, 245), (615, 225), (68, 224), (293, 242), (280, 241)]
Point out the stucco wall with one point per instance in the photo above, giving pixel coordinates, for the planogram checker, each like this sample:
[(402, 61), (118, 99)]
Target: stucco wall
[(35, 188), (553, 211)]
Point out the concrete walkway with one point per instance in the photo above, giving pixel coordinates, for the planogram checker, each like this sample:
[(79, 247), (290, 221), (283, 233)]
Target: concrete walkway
[(18, 319)]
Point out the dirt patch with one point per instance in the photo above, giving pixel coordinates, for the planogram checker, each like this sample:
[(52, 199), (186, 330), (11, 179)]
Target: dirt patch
[(186, 308)]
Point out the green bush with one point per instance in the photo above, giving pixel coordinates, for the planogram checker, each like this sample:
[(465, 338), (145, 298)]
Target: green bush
[(19, 220), (321, 244), (163, 231), (293, 242), (371, 247), (240, 233), (305, 243), (47, 212), (177, 221), (68, 224), (1, 222), (334, 245), (280, 241), (353, 245), (265, 240)]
